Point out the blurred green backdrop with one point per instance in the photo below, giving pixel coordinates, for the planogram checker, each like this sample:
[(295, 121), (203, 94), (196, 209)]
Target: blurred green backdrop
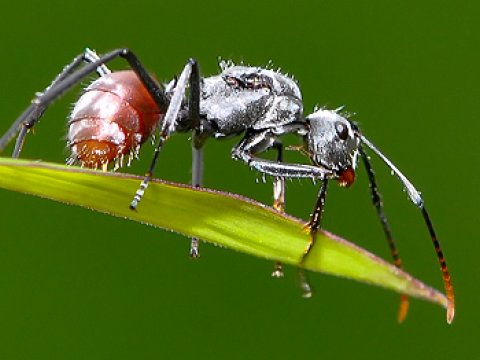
[(75, 284)]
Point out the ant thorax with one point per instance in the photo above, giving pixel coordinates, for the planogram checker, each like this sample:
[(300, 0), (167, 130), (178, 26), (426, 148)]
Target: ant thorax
[(243, 97)]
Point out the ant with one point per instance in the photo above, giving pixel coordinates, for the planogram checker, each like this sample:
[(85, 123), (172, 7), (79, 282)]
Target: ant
[(119, 111)]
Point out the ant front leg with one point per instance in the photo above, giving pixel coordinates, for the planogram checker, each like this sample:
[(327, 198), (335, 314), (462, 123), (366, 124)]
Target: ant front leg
[(279, 204), (313, 225), (257, 142), (316, 217)]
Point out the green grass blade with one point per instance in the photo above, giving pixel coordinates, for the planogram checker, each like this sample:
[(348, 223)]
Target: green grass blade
[(224, 219)]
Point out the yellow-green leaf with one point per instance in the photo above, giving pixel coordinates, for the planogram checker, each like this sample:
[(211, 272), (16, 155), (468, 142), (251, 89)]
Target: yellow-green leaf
[(217, 217)]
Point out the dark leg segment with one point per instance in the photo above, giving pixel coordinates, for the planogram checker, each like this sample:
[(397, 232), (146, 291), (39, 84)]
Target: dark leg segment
[(377, 202), (415, 197), (316, 217), (88, 56), (197, 143), (254, 143), (313, 226), (167, 127), (197, 181), (34, 111), (278, 201), (68, 78)]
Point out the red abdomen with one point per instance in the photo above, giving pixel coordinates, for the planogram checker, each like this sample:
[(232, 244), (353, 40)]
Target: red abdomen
[(114, 116)]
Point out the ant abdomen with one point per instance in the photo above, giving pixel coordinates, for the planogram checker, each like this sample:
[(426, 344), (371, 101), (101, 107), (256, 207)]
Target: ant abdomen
[(113, 117)]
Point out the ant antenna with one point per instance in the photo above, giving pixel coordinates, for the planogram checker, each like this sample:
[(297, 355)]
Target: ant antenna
[(415, 197), (413, 193)]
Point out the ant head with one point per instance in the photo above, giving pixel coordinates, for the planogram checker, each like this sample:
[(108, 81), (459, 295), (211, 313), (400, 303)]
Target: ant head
[(333, 143)]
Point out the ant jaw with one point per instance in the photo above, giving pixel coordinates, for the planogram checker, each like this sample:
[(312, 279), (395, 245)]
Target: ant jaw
[(346, 177)]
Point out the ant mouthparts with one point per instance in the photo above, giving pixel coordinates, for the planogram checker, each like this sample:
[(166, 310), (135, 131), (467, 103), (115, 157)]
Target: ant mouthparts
[(347, 177)]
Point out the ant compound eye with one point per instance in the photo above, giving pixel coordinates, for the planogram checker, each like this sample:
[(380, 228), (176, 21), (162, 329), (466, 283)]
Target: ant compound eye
[(342, 130)]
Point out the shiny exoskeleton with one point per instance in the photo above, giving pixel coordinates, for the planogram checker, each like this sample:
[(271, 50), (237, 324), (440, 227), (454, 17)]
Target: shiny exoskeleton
[(121, 110), (111, 120)]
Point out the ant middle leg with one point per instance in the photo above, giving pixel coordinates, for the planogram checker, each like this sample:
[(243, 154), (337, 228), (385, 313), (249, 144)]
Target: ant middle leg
[(278, 200), (168, 123), (197, 143), (197, 181)]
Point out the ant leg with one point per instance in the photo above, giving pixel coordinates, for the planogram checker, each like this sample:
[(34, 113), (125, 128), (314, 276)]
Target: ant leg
[(90, 56), (35, 110), (316, 216), (70, 78), (313, 225), (304, 284), (257, 142), (167, 127), (197, 181), (279, 204), (377, 202), (87, 56), (278, 200), (197, 142), (290, 170)]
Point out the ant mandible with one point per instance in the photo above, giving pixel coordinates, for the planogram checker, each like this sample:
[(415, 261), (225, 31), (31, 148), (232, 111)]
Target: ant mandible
[(119, 111)]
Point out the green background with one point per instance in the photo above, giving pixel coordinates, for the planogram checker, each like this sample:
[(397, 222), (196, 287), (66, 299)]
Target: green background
[(75, 284)]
